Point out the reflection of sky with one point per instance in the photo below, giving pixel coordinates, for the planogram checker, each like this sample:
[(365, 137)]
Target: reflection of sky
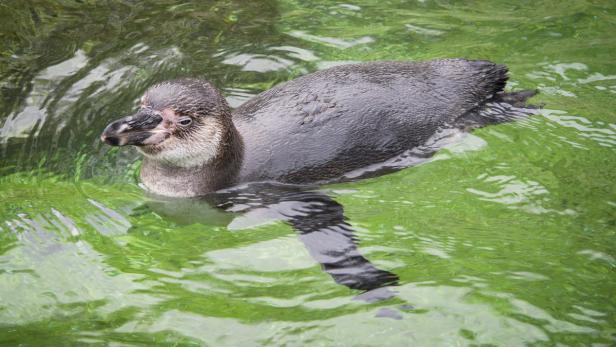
[(331, 41), (516, 193), (52, 266), (599, 132), (43, 85), (440, 313), (553, 78), (272, 61)]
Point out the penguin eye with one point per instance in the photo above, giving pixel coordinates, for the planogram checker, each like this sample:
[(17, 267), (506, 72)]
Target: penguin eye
[(185, 121)]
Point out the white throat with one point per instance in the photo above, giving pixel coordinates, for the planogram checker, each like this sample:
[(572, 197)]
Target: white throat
[(198, 149)]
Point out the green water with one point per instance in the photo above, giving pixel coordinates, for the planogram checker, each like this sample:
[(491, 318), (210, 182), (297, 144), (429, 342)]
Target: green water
[(507, 237)]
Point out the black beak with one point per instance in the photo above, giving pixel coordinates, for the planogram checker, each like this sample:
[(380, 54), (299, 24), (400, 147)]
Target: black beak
[(131, 130)]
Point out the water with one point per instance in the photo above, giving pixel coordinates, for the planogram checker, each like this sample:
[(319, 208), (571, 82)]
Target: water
[(505, 237)]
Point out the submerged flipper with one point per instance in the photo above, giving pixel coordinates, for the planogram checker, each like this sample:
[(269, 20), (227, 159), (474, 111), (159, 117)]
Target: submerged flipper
[(321, 225), (330, 240)]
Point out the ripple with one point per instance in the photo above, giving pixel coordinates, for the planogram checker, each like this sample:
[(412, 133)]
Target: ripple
[(438, 325), (436, 252), (43, 274), (513, 192), (527, 276), (281, 254), (322, 65), (595, 77), (567, 74), (552, 324), (447, 310), (561, 68), (600, 134), (107, 221), (33, 113), (297, 53), (331, 41), (597, 255), (258, 62), (237, 96), (423, 31), (350, 7)]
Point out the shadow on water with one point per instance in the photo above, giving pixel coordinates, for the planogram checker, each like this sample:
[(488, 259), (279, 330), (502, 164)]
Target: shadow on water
[(317, 218)]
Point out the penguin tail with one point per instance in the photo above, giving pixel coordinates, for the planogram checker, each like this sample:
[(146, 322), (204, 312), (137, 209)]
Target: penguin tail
[(504, 107), (517, 99)]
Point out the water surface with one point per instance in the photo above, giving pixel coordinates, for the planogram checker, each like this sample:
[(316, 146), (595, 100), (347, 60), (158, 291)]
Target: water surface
[(506, 237)]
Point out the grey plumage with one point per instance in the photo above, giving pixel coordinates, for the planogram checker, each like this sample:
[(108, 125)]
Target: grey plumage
[(324, 124), (317, 127)]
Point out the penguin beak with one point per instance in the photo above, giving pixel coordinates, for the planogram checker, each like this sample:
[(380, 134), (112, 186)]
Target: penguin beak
[(143, 128)]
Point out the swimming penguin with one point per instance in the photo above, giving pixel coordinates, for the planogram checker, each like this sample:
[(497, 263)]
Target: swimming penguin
[(312, 129)]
